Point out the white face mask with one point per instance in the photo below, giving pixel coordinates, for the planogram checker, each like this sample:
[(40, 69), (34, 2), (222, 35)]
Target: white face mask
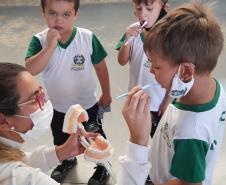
[(180, 88), (41, 120)]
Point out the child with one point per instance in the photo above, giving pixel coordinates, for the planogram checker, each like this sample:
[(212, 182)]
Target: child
[(132, 52), (65, 56), (23, 110), (184, 46)]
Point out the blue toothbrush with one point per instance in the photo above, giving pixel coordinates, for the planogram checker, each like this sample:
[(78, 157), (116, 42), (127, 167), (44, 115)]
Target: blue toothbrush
[(143, 88)]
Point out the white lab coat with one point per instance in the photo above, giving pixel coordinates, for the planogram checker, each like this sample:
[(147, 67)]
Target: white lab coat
[(135, 165), (31, 170)]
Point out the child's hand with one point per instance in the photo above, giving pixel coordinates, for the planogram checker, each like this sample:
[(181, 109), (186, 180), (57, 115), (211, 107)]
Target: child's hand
[(137, 115), (133, 30), (52, 37), (105, 100)]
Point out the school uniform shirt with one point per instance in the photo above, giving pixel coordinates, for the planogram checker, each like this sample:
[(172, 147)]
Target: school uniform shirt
[(185, 146), (139, 73), (30, 170), (68, 76)]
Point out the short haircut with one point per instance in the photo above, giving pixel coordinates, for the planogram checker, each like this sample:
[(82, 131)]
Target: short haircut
[(76, 3), (146, 2), (188, 33)]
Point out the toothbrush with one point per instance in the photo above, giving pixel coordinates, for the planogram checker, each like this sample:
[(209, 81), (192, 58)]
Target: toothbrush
[(132, 37), (143, 88)]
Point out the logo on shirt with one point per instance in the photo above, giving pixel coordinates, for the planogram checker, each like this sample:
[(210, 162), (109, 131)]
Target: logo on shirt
[(165, 134), (212, 146), (222, 118), (78, 63), (177, 93), (147, 64)]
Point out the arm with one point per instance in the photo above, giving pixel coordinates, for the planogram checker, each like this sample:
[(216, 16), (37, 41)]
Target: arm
[(42, 157), (136, 158), (35, 64), (103, 76), (124, 50), (191, 153), (23, 174), (135, 164), (123, 55), (46, 158)]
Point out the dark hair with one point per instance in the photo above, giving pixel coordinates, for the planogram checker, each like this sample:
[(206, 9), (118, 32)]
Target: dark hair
[(188, 33), (76, 4), (8, 87), (146, 2)]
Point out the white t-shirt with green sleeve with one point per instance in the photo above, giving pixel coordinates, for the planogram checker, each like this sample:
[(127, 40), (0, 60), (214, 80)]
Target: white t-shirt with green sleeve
[(187, 141), (69, 76)]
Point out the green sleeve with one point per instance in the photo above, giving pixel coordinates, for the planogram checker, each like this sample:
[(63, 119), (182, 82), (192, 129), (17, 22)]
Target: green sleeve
[(99, 52), (122, 40), (189, 160), (34, 47)]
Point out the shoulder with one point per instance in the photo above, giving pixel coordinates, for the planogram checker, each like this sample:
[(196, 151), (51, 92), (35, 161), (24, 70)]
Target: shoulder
[(84, 31), (187, 123), (222, 97)]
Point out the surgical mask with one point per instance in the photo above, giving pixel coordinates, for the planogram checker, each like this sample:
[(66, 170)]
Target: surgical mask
[(180, 88), (41, 120)]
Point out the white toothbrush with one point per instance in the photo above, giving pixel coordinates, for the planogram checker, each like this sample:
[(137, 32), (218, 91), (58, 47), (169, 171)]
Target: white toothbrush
[(132, 37)]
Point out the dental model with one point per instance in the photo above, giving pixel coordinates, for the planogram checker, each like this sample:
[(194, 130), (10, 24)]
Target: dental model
[(74, 116), (98, 150)]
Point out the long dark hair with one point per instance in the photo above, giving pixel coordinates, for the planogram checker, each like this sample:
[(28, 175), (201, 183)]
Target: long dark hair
[(8, 87)]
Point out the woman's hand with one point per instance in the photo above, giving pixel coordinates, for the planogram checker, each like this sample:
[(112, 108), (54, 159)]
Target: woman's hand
[(72, 147)]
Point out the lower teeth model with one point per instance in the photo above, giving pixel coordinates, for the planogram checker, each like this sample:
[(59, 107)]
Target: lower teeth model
[(98, 150)]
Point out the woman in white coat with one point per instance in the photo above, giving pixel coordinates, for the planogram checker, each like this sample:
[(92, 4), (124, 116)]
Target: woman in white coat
[(25, 114)]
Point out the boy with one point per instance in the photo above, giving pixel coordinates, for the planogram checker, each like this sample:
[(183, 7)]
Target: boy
[(133, 52), (184, 46), (65, 56)]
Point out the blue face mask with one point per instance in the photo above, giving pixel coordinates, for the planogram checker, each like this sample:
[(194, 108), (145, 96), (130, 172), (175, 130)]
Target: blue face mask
[(180, 88)]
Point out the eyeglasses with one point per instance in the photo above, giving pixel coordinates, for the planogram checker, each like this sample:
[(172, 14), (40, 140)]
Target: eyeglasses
[(40, 99)]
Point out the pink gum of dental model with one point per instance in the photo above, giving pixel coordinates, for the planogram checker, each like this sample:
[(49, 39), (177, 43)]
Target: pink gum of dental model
[(96, 150)]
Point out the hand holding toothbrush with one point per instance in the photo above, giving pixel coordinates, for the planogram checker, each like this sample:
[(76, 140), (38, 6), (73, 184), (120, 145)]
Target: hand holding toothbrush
[(134, 30), (136, 112)]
